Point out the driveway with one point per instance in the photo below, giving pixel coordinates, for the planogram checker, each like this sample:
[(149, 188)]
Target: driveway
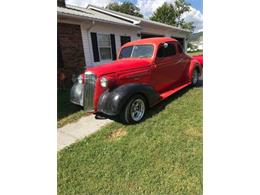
[(76, 131)]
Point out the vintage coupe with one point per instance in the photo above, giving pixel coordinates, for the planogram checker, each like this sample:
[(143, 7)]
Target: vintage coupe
[(146, 72)]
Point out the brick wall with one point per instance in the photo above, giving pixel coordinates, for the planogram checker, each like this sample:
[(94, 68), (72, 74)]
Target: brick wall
[(71, 48), (61, 3)]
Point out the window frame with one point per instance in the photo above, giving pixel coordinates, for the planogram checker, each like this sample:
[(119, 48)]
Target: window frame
[(110, 47)]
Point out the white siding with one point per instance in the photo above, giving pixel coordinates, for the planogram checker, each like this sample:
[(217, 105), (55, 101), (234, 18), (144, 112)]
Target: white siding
[(105, 29)]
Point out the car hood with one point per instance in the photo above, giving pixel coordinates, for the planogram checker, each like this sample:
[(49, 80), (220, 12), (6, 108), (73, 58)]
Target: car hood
[(120, 65)]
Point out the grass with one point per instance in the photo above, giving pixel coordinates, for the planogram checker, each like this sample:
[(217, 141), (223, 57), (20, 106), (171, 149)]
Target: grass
[(67, 112), (195, 53), (161, 155)]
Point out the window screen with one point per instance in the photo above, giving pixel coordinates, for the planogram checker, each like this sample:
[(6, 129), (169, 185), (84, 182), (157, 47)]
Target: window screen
[(104, 45)]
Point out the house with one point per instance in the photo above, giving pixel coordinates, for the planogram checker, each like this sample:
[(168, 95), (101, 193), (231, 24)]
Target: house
[(93, 35)]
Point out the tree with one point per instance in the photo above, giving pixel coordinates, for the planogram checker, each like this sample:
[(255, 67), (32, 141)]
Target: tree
[(126, 7), (171, 14)]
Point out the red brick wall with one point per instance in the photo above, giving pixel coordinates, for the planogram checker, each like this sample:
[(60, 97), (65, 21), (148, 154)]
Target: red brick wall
[(61, 3), (69, 36)]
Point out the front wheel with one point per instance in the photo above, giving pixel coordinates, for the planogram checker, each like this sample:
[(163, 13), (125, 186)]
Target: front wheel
[(195, 77), (134, 110)]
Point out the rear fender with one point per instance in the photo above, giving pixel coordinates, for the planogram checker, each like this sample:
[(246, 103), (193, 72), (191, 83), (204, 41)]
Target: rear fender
[(193, 65)]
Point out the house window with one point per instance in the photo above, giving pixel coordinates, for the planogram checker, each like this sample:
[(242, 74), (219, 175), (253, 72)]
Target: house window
[(104, 46), (125, 39)]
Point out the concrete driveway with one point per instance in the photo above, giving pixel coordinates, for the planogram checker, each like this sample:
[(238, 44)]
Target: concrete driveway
[(76, 131)]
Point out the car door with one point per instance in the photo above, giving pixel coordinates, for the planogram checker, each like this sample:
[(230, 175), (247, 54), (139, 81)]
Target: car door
[(164, 75), (183, 64)]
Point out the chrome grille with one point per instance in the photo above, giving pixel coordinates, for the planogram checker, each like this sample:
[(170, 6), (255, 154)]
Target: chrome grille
[(90, 83)]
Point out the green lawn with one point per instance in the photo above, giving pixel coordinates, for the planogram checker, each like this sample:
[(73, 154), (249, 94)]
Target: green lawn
[(162, 155), (195, 53), (67, 112)]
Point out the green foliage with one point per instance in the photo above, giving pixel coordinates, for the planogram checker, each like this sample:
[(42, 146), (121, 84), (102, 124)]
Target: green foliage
[(195, 53), (125, 7), (161, 155), (192, 46), (171, 14)]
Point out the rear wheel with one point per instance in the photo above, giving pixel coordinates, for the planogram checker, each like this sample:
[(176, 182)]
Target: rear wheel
[(195, 77), (134, 110)]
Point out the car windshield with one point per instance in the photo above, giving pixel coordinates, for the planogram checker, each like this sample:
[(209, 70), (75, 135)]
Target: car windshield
[(137, 51)]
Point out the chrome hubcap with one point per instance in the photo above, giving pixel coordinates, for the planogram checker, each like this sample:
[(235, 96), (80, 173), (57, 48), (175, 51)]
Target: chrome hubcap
[(137, 109), (195, 77)]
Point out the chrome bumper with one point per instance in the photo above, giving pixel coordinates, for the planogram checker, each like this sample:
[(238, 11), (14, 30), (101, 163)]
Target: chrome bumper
[(83, 94), (77, 94)]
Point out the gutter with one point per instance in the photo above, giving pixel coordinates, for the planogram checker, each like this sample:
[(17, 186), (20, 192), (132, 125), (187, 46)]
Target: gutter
[(94, 19), (135, 22), (113, 14), (166, 26)]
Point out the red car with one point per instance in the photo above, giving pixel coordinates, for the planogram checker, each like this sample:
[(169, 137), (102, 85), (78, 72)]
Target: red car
[(146, 72)]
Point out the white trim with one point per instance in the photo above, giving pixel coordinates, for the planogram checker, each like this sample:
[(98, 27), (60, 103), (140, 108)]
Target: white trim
[(60, 14), (69, 21)]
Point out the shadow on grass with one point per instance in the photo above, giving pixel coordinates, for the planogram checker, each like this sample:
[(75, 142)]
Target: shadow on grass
[(65, 107), (160, 106)]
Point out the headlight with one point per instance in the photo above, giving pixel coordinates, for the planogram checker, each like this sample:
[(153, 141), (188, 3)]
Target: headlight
[(80, 79), (104, 82)]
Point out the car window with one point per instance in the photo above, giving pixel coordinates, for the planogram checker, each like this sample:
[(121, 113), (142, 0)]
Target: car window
[(137, 51), (142, 51), (170, 50), (160, 52), (126, 52)]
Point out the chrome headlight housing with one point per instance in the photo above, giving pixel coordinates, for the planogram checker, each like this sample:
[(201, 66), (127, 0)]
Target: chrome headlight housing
[(104, 82)]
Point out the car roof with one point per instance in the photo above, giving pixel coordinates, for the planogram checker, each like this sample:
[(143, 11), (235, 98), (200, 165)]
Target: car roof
[(155, 40)]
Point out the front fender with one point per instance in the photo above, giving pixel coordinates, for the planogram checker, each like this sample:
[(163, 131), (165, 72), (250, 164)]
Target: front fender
[(112, 101)]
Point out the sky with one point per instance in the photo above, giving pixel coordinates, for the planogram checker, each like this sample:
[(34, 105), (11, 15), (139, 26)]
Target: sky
[(147, 7)]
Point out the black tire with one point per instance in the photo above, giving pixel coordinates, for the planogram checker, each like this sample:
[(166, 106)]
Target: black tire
[(195, 77), (129, 115)]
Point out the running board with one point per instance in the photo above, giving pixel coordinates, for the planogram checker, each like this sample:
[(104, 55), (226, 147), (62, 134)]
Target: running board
[(170, 92)]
